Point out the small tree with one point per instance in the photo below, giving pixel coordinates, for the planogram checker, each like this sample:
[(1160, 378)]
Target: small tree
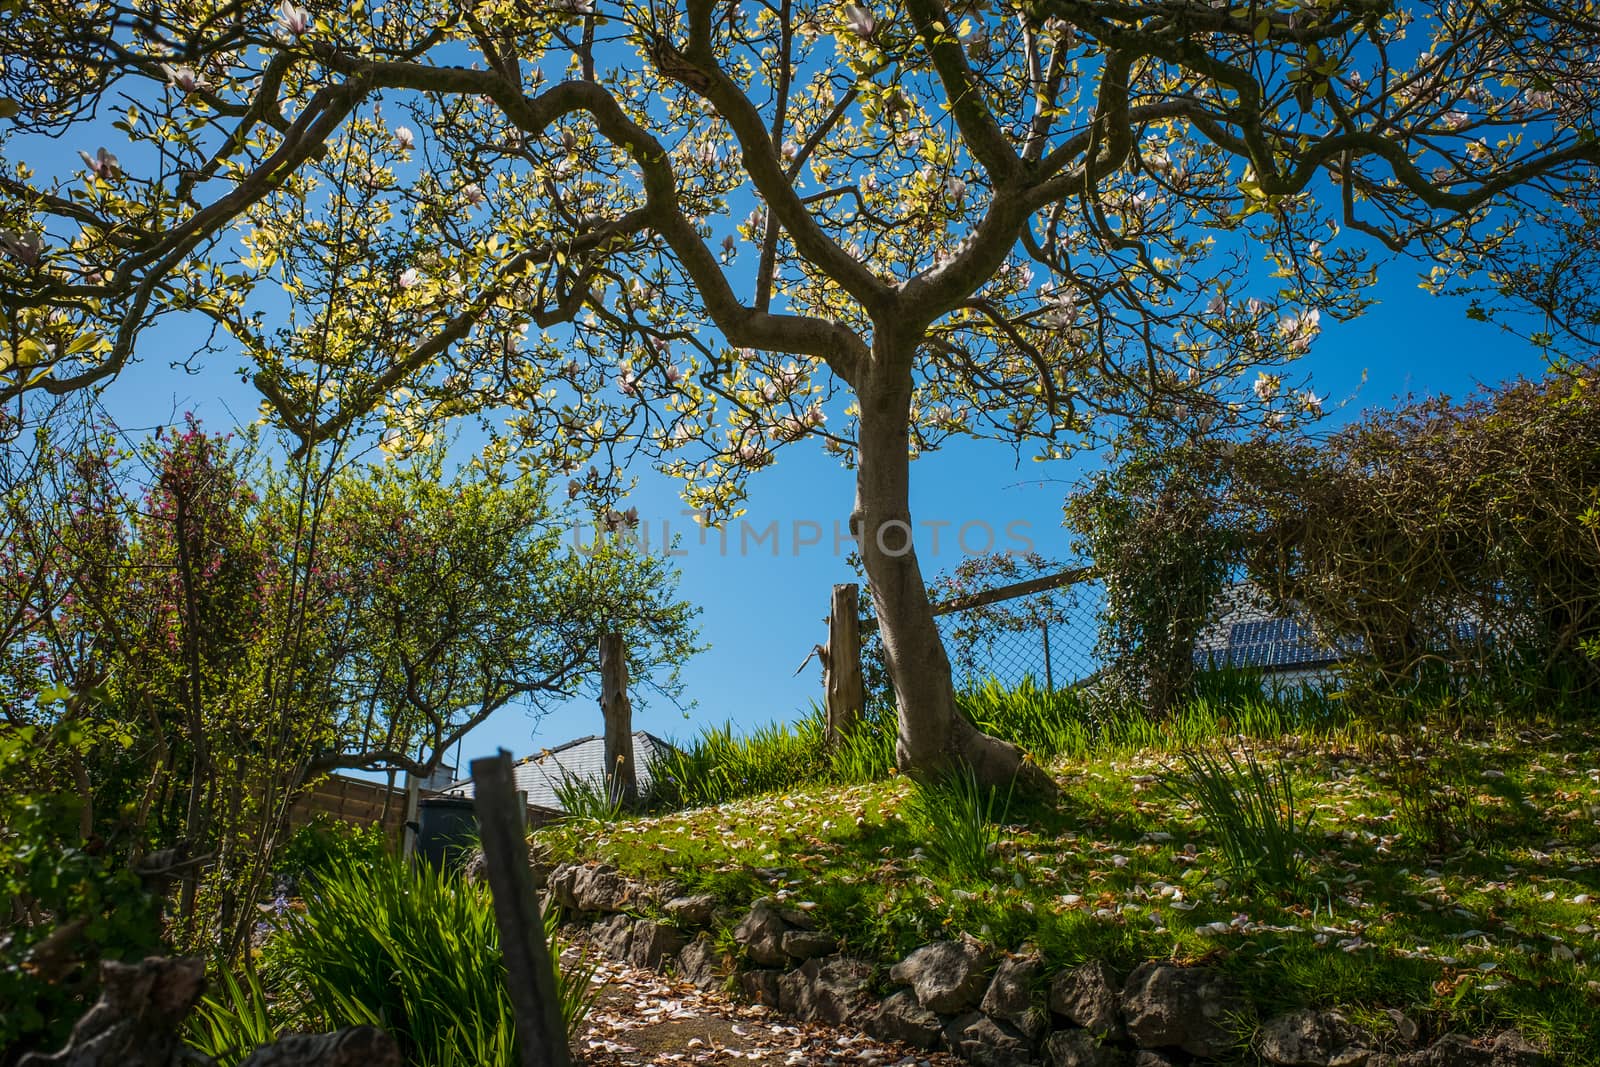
[(1157, 528), (1024, 220)]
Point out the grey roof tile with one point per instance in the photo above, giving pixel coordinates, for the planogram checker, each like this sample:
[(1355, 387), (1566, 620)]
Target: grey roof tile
[(538, 775)]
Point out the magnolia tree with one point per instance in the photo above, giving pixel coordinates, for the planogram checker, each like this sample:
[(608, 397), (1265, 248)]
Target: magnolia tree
[(710, 230)]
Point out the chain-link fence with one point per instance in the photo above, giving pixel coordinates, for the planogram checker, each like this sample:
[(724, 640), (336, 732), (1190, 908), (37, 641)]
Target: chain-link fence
[(1048, 636)]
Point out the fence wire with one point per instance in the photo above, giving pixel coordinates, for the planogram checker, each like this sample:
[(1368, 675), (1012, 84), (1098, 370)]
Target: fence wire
[(1048, 636)]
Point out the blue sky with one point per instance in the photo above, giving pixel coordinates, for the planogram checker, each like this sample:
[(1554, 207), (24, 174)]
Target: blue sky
[(764, 609)]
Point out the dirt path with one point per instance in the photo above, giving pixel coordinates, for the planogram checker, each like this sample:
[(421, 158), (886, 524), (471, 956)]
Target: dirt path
[(643, 1017)]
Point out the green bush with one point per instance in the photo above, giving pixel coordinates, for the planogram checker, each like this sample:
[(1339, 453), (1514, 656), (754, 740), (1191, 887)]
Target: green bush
[(1157, 529), (1453, 536), (328, 844), (1250, 809), (394, 944), (66, 902), (959, 822)]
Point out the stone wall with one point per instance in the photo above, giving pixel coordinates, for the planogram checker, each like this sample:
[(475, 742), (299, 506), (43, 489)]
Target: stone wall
[(991, 1008)]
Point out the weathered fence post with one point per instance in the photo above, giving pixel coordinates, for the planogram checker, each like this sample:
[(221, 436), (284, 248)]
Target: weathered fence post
[(621, 781), (530, 973), (846, 696)]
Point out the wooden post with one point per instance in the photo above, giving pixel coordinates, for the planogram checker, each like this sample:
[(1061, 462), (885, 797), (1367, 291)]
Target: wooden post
[(530, 974), (621, 781), (841, 676)]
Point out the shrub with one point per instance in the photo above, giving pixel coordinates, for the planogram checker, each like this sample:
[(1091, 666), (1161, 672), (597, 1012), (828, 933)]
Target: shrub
[(1154, 526), (1444, 535), (402, 945), (326, 844), (959, 822), (1250, 809), (589, 799)]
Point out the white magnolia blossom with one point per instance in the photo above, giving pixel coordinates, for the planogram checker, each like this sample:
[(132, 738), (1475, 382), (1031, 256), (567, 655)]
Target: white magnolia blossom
[(1298, 331), (860, 20), (627, 381), (184, 77), (404, 139), (472, 194), (410, 278), (1455, 120), (1311, 403), (292, 21), (790, 151), (955, 188), (102, 164), (1266, 386)]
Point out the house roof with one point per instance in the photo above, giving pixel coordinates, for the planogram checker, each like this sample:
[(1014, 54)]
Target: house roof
[(583, 759)]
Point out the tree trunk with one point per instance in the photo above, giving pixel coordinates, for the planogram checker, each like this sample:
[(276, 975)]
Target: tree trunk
[(934, 736), (621, 778)]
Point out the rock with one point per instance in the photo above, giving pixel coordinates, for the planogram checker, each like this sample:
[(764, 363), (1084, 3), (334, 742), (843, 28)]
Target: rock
[(832, 991), (986, 1042), (696, 910), (1009, 997), (1145, 1058), (1511, 1049), (1080, 1048), (652, 943), (901, 1018), (947, 976), (700, 963), (137, 1021), (1311, 1039), (798, 917), (612, 936), (1453, 1050), (604, 888), (761, 986), (1189, 1008), (804, 944), (356, 1046), (600, 888), (559, 884), (761, 933), (1090, 997)]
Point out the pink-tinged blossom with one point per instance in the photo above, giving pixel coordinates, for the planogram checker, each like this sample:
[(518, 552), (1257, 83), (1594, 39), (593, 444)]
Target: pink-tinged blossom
[(184, 77), (627, 381), (673, 374), (1298, 331), (577, 7), (292, 21), (1266, 386), (1311, 403), (790, 151), (404, 139), (1455, 120), (472, 194), (860, 20), (410, 278), (102, 164), (1217, 306), (955, 188), (729, 246), (752, 455), (755, 223), (25, 248)]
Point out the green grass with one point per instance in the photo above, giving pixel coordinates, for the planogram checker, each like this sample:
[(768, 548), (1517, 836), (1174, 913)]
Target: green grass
[(1493, 925)]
